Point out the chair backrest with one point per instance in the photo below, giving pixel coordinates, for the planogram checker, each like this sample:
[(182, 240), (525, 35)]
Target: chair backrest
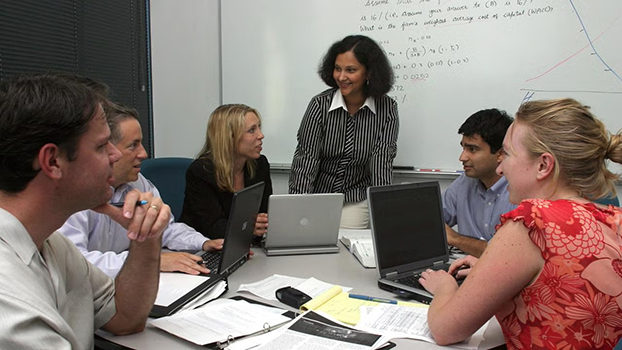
[(609, 200), (168, 174)]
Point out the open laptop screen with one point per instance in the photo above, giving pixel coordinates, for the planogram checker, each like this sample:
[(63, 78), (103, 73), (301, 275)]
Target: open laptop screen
[(408, 224), (240, 226)]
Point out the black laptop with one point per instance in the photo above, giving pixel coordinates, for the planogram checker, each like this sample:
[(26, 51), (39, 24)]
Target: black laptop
[(409, 235), (239, 233)]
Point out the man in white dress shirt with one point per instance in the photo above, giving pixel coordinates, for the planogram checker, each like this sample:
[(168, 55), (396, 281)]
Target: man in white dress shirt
[(103, 241), (56, 159)]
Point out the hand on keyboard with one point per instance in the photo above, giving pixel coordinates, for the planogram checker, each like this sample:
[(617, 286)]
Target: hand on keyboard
[(183, 262), (462, 267), (438, 281)]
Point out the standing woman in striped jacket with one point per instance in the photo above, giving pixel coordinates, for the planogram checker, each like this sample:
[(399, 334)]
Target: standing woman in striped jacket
[(347, 139)]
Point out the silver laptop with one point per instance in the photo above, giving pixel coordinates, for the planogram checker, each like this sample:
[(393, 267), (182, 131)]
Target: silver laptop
[(409, 235), (303, 223)]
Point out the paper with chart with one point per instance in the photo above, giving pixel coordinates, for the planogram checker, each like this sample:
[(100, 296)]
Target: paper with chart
[(407, 322)]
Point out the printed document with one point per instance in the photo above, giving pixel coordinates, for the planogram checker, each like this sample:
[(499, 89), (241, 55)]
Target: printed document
[(267, 288), (174, 285), (315, 331), (221, 320), (398, 321)]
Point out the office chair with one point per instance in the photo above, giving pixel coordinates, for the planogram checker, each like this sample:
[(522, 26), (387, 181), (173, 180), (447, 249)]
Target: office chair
[(168, 174), (609, 200)]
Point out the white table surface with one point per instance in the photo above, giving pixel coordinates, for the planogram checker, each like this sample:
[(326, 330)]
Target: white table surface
[(341, 268)]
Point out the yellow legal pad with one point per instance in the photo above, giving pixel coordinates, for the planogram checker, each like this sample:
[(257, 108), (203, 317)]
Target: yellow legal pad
[(336, 303)]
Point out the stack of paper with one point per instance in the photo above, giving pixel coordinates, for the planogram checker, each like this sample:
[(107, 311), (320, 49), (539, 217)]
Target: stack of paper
[(267, 288), (395, 321), (207, 296), (360, 244), (327, 298), (221, 321), (178, 291), (400, 320), (339, 305)]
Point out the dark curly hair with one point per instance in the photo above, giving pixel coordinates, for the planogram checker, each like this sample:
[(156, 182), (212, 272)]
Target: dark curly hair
[(370, 55)]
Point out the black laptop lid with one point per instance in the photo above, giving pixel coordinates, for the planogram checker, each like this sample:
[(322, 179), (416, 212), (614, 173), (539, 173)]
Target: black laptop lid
[(240, 226), (407, 226)]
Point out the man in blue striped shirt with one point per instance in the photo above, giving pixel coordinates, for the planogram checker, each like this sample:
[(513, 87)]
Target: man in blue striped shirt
[(476, 199)]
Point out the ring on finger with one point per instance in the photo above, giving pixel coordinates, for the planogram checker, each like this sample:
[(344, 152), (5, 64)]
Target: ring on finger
[(153, 206)]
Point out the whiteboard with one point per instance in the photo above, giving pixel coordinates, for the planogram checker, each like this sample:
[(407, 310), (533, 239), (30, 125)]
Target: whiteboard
[(451, 58)]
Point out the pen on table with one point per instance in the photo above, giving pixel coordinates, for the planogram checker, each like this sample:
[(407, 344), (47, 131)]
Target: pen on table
[(121, 204), (378, 300)]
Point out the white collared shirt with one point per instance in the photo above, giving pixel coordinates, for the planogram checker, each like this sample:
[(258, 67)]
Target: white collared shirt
[(339, 101)]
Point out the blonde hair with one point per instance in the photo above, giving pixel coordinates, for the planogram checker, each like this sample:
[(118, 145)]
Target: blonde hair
[(225, 128), (578, 141)]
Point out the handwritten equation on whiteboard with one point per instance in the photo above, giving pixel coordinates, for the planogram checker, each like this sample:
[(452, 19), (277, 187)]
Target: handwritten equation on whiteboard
[(423, 50)]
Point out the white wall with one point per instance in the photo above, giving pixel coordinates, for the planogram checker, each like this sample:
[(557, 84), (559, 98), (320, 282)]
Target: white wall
[(185, 58)]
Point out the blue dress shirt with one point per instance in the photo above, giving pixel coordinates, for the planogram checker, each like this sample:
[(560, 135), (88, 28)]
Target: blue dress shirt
[(104, 241), (475, 209)]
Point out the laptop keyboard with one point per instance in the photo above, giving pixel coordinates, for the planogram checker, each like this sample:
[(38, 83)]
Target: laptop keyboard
[(411, 281), (211, 260)]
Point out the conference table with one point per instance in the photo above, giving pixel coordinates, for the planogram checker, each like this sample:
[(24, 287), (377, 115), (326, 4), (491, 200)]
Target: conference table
[(339, 268)]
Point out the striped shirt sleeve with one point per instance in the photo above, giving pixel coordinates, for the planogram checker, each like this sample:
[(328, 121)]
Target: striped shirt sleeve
[(385, 149), (306, 160)]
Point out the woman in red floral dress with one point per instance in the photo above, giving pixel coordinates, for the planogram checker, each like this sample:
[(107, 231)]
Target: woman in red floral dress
[(552, 274)]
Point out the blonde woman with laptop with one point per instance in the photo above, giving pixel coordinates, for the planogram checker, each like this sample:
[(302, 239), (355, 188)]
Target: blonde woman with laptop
[(552, 274), (230, 160)]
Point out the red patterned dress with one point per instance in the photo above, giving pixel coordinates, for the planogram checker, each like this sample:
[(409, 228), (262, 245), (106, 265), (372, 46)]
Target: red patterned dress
[(576, 301)]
